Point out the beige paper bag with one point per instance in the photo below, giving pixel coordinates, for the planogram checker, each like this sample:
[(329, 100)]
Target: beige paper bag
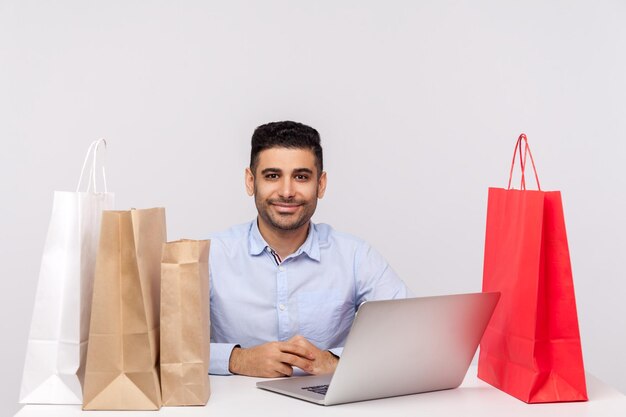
[(185, 326), (123, 350)]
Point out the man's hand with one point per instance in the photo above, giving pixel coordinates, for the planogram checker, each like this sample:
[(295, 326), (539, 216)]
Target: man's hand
[(276, 359), (323, 361), (271, 360)]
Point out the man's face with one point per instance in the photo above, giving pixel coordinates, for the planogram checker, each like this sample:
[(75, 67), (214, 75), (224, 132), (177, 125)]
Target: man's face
[(286, 187)]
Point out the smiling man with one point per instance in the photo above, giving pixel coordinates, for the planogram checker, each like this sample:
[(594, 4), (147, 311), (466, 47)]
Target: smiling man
[(284, 290)]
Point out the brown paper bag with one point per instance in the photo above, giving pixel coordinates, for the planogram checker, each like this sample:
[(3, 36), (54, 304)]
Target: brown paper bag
[(185, 326), (122, 354)]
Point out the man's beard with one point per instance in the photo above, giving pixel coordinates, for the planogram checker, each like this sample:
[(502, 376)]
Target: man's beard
[(285, 222)]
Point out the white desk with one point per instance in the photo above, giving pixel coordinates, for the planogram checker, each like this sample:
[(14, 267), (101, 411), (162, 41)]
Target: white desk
[(236, 396)]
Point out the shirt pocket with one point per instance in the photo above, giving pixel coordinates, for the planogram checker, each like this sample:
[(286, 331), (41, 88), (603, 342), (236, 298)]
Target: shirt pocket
[(320, 315)]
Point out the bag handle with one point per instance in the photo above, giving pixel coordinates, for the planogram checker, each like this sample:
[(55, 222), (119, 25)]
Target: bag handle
[(522, 161), (93, 152)]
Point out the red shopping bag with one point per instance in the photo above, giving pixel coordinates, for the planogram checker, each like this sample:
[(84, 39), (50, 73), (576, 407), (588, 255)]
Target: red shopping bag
[(531, 348)]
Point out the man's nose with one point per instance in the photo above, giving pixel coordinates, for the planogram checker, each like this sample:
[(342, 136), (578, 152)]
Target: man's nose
[(287, 189)]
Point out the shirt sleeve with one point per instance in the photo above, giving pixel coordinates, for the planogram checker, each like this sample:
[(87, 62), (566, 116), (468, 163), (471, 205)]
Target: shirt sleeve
[(220, 358), (375, 279), (336, 351)]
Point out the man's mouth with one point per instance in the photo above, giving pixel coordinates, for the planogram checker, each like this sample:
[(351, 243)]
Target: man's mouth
[(286, 208)]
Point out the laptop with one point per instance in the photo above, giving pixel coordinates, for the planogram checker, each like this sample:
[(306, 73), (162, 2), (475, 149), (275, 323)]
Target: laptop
[(400, 347)]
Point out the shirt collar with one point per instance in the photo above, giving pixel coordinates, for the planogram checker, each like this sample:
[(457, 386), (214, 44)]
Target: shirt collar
[(310, 247), (256, 242)]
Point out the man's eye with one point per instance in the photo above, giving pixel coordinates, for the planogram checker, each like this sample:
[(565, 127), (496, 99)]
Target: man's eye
[(271, 176), (302, 177)]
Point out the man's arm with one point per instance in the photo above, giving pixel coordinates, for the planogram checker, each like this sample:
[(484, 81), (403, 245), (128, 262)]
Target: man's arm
[(376, 280), (219, 357)]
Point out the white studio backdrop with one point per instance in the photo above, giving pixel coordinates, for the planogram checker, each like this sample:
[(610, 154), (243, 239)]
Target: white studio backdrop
[(419, 104)]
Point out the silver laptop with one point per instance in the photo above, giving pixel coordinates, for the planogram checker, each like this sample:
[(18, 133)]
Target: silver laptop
[(400, 347)]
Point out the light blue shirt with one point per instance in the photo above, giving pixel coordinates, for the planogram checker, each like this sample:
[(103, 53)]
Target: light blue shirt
[(314, 292)]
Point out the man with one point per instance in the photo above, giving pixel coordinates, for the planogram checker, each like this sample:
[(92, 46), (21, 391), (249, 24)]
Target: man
[(284, 291)]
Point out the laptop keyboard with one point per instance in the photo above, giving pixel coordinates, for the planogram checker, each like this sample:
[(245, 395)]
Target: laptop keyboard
[(318, 389)]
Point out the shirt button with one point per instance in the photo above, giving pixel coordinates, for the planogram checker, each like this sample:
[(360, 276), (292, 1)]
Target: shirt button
[(282, 307), (281, 268)]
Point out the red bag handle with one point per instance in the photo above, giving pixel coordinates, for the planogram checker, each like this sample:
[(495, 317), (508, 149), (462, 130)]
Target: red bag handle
[(522, 161)]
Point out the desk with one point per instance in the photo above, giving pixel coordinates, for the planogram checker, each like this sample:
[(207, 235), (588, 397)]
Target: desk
[(234, 396)]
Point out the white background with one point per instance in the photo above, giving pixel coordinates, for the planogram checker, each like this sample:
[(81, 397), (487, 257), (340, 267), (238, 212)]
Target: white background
[(419, 104)]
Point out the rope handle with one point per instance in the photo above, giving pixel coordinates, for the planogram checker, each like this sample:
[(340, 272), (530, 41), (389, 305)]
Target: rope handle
[(93, 153), (522, 161)]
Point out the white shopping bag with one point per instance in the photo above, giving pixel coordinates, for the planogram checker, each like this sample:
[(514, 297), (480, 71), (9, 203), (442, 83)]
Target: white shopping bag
[(57, 343)]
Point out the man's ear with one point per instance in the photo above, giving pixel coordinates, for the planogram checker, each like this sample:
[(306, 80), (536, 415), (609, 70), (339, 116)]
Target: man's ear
[(249, 182), (321, 185)]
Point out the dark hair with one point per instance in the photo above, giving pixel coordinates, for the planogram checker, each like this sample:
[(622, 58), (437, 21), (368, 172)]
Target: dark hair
[(286, 134)]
